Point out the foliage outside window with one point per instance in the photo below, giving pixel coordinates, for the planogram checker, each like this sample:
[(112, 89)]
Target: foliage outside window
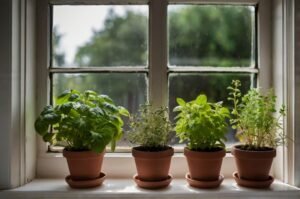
[(198, 35)]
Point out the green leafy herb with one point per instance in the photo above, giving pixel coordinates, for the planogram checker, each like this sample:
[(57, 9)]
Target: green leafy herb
[(201, 124), (151, 128), (254, 116), (85, 121)]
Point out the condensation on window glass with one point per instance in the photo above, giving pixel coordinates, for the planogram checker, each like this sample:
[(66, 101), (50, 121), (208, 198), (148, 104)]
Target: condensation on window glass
[(211, 35), (189, 85), (99, 35)]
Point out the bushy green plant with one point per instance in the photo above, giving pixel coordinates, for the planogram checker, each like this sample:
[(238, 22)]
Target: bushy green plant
[(85, 121), (150, 129), (201, 124), (254, 116)]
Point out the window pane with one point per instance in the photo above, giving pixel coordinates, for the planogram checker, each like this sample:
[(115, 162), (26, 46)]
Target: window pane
[(100, 35), (126, 89), (188, 86), (211, 35)]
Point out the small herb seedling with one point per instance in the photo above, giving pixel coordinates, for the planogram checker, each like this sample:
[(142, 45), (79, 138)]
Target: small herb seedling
[(254, 117), (150, 129), (201, 124)]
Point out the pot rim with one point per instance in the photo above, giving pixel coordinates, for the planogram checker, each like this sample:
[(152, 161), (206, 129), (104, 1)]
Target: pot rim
[(203, 154), (241, 153), (152, 154), (82, 154)]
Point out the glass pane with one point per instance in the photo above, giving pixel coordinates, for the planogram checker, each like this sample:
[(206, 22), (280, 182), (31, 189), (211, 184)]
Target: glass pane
[(211, 35), (188, 86), (100, 35), (126, 89)]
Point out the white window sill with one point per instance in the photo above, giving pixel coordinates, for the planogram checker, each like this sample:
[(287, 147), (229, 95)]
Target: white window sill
[(126, 188)]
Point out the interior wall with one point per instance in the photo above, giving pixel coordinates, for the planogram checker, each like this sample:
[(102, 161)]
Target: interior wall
[(5, 87), (17, 101), (297, 92)]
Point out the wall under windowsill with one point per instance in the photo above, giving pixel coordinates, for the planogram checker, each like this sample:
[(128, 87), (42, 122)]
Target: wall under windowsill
[(126, 188)]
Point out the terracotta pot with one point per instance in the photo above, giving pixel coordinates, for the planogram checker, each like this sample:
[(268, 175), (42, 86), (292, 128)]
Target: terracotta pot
[(152, 166), (84, 165), (253, 165), (204, 166)]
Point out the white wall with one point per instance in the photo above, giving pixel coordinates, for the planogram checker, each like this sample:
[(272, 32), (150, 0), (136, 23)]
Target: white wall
[(5, 88), (297, 93), (17, 100)]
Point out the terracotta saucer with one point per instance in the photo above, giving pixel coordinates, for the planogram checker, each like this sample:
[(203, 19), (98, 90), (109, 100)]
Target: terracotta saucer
[(204, 184), (152, 184), (251, 183), (79, 184)]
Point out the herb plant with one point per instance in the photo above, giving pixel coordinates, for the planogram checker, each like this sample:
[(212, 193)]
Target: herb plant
[(201, 124), (254, 116), (85, 121), (150, 129)]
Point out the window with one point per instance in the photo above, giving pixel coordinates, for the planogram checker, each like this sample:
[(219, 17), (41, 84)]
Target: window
[(105, 48), (156, 50), (209, 46), (102, 48)]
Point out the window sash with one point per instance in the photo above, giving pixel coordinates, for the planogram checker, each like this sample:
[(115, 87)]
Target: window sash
[(50, 165)]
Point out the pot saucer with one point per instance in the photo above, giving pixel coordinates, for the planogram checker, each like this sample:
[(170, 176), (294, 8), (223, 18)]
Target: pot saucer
[(204, 184), (252, 183), (152, 184), (79, 184)]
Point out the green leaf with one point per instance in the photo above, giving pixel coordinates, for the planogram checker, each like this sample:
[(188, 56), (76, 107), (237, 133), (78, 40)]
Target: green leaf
[(110, 107), (73, 97), (87, 93), (49, 137), (51, 118), (177, 109), (201, 99), (47, 109), (106, 98), (180, 101), (41, 126), (66, 108), (64, 97), (123, 111), (113, 145)]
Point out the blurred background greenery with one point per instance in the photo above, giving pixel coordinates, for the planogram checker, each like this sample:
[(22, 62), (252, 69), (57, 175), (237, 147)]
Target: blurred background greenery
[(198, 35)]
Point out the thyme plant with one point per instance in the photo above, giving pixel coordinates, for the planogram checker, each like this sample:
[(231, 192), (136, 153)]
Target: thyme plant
[(150, 129), (85, 121), (255, 117), (201, 124)]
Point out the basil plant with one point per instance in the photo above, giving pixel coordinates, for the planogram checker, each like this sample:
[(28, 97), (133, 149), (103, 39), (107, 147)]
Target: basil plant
[(84, 121)]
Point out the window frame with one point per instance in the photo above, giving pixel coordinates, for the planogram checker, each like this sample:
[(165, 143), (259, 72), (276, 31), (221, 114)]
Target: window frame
[(53, 165)]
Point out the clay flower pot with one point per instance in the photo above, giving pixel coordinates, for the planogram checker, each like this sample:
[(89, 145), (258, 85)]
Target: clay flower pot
[(253, 165), (84, 165), (204, 167), (153, 166)]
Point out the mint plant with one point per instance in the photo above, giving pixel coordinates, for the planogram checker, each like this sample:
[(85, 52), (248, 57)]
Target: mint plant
[(150, 129), (85, 121), (255, 117), (201, 124)]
